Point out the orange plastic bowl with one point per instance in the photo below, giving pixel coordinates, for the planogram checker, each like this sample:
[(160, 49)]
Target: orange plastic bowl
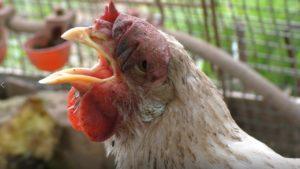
[(50, 58), (3, 46)]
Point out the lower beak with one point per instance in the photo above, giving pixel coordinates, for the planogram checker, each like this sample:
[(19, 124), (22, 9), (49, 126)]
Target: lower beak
[(74, 76), (81, 76)]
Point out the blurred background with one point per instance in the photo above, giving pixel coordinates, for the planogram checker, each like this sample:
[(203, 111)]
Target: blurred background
[(34, 132)]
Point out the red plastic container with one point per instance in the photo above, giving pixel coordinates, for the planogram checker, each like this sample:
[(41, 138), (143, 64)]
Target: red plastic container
[(50, 58), (3, 45)]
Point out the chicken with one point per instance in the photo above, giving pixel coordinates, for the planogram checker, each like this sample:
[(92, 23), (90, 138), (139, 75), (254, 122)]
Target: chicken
[(151, 106)]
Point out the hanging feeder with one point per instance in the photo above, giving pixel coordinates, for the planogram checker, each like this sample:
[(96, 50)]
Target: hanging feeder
[(46, 50), (5, 13)]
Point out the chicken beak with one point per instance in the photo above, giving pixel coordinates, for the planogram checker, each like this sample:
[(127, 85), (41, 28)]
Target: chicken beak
[(83, 35), (79, 76), (73, 76)]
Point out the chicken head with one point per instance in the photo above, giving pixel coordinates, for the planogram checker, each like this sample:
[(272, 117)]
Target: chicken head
[(128, 85)]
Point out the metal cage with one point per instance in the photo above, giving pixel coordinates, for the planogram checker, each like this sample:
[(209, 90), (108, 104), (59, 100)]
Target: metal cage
[(264, 34)]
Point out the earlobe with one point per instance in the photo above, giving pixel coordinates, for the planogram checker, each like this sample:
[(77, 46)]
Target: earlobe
[(157, 101), (151, 109)]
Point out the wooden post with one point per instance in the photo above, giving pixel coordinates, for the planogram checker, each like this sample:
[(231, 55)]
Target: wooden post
[(292, 56), (240, 34)]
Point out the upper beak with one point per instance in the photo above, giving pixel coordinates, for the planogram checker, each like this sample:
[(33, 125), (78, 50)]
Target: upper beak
[(84, 35), (79, 75)]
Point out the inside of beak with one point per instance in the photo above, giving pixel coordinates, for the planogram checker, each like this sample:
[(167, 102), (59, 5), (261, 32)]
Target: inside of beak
[(82, 76)]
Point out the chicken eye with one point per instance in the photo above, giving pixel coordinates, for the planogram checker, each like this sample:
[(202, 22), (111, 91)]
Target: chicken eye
[(142, 67)]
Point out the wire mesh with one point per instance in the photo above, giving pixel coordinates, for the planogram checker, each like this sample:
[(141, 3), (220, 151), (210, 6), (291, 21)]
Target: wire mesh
[(264, 34)]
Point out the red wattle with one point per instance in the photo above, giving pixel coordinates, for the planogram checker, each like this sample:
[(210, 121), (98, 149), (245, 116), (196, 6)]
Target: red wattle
[(98, 116), (73, 110), (102, 72)]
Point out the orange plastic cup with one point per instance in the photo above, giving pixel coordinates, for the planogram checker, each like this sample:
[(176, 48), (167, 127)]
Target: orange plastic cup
[(47, 59)]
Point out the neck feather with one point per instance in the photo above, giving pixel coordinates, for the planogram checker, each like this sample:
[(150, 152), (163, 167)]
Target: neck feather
[(195, 130), (195, 125)]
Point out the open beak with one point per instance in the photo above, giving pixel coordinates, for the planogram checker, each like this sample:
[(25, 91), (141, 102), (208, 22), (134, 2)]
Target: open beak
[(81, 76)]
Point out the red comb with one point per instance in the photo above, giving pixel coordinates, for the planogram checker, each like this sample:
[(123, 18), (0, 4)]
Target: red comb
[(110, 12)]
